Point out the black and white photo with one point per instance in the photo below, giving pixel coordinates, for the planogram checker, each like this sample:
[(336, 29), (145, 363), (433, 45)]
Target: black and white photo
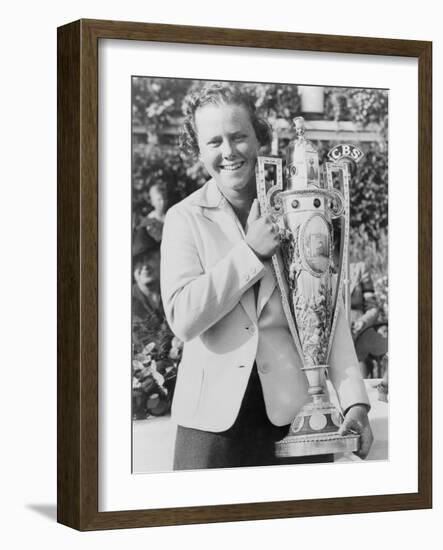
[(222, 359)]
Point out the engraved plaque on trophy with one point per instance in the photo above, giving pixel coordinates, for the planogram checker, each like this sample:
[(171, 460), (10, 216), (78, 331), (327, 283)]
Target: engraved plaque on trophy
[(304, 201)]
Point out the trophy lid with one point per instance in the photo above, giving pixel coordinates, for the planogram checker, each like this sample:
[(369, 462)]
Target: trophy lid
[(300, 127), (302, 160)]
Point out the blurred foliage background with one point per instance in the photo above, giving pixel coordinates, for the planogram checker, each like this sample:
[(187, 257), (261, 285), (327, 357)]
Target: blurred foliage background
[(157, 116), (156, 122)]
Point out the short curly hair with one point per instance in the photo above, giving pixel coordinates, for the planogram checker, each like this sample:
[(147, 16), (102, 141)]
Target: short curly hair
[(219, 94)]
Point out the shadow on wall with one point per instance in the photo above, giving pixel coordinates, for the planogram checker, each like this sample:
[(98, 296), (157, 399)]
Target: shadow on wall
[(47, 510)]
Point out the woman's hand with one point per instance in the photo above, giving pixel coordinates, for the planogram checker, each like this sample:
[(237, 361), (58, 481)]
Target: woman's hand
[(357, 328), (262, 233), (356, 421)]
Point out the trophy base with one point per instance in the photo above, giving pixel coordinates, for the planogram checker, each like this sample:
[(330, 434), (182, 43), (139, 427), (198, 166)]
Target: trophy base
[(316, 444)]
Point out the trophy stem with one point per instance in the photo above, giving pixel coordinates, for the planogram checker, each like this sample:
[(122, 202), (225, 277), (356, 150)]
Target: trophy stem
[(315, 376)]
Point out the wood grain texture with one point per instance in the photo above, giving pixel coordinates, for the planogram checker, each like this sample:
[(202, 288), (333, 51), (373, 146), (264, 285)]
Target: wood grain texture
[(68, 275), (425, 272), (77, 173), (254, 38)]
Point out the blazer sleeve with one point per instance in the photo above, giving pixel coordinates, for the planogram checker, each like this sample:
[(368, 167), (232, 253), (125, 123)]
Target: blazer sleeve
[(344, 371), (195, 298)]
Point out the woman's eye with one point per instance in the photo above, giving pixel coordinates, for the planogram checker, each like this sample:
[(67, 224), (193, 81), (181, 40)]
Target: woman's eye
[(214, 142)]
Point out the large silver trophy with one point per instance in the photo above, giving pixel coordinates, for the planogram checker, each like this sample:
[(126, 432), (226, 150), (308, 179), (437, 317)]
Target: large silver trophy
[(311, 271)]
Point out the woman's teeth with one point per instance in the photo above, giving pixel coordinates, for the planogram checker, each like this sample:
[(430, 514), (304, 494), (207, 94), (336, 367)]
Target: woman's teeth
[(231, 167)]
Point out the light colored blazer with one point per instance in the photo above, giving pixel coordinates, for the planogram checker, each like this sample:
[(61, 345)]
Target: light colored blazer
[(207, 277)]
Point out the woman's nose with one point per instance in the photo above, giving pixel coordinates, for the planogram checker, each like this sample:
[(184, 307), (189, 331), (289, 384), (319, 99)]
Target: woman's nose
[(228, 149)]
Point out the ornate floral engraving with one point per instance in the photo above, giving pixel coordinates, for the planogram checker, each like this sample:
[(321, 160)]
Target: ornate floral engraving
[(313, 315)]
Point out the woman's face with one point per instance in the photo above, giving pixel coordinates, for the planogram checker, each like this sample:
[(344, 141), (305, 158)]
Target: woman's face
[(228, 146), (158, 200), (149, 272)]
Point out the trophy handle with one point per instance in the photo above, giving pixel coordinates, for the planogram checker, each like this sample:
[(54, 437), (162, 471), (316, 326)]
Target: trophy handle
[(267, 196), (343, 286)]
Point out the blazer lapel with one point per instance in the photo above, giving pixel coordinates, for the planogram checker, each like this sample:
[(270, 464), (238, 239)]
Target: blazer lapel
[(217, 209), (267, 285), (225, 221), (248, 303)]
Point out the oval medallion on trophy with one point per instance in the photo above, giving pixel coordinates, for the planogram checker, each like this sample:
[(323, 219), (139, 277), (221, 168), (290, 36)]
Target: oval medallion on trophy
[(318, 421), (314, 245), (297, 424)]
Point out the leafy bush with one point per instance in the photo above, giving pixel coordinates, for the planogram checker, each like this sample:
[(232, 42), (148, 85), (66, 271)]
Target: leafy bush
[(369, 187), (369, 193), (361, 105), (375, 255), (157, 103), (180, 177)]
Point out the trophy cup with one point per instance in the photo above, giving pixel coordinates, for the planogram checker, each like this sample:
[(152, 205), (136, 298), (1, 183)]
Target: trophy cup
[(311, 284)]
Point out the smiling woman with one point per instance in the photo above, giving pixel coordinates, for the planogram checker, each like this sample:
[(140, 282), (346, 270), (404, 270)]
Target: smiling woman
[(223, 130), (240, 382)]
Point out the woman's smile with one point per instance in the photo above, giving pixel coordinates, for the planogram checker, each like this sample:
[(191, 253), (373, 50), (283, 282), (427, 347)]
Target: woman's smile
[(232, 167), (228, 147)]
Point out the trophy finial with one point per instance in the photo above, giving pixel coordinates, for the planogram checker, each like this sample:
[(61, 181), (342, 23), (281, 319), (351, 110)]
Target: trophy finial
[(299, 124)]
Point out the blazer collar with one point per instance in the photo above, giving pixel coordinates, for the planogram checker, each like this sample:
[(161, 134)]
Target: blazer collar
[(208, 196), (218, 210)]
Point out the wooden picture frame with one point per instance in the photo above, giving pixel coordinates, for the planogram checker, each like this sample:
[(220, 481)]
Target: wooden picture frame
[(77, 457)]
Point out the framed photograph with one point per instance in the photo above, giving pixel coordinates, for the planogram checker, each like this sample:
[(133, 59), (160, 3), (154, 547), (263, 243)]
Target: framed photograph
[(244, 254)]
